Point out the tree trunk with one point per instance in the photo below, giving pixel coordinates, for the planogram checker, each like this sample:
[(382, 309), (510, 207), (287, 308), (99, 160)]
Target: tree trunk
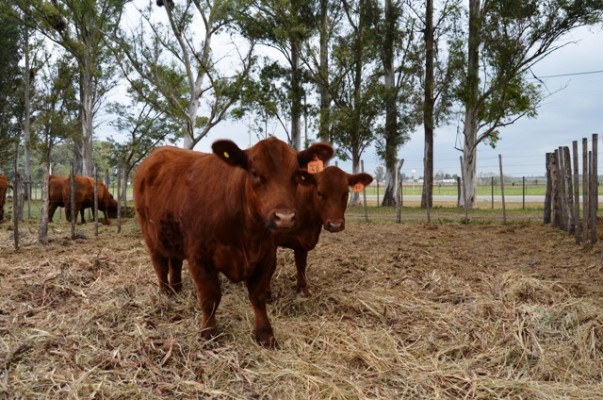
[(43, 228), (296, 95), (355, 201), (26, 117), (392, 137), (471, 102), (88, 97), (325, 97), (428, 123)]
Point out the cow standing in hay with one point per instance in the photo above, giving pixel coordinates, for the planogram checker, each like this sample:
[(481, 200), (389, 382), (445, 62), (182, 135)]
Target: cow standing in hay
[(3, 189), (220, 212), (84, 198), (55, 195), (318, 207)]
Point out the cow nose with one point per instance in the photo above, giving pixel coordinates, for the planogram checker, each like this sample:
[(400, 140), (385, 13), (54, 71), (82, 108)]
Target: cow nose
[(334, 226), (284, 219)]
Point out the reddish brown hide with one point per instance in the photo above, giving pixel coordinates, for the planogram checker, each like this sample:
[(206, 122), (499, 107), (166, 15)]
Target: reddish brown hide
[(84, 198), (319, 206), (220, 212), (3, 189)]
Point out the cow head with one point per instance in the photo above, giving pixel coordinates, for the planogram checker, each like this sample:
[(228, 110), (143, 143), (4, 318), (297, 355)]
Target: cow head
[(112, 206), (331, 195), (273, 171)]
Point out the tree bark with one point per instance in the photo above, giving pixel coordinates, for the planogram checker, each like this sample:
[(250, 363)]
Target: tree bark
[(296, 95), (43, 227), (392, 137), (325, 97), (470, 125), (428, 105)]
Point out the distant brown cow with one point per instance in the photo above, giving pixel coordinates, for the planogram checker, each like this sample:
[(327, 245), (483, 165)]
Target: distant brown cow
[(220, 212), (55, 195), (84, 198), (319, 206), (3, 189)]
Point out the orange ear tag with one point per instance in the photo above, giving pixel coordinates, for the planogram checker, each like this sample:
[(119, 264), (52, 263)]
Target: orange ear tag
[(358, 188), (315, 166)]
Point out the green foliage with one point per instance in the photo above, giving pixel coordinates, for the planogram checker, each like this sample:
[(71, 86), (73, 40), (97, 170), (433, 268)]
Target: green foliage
[(10, 82)]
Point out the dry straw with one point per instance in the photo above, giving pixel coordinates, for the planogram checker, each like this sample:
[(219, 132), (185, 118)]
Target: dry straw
[(396, 311)]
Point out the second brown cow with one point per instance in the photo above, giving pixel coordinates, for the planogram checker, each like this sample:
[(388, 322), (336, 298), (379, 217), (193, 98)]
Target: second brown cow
[(84, 198), (318, 207)]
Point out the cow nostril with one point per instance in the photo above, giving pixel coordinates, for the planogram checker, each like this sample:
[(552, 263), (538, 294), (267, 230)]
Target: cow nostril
[(284, 219), (334, 226)]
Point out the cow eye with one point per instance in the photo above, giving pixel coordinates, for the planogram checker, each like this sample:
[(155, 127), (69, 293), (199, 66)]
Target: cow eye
[(256, 177)]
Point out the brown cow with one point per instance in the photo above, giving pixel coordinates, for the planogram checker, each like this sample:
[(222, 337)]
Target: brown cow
[(220, 212), (3, 189), (84, 198), (55, 196), (318, 206)]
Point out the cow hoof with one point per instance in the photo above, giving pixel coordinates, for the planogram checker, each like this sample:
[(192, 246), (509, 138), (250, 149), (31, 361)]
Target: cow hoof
[(303, 291), (269, 298), (266, 339), (209, 333)]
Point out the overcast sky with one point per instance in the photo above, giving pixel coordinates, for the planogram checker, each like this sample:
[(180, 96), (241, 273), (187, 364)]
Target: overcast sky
[(573, 112)]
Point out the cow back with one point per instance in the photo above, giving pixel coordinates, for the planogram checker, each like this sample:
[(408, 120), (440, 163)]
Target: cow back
[(55, 189)]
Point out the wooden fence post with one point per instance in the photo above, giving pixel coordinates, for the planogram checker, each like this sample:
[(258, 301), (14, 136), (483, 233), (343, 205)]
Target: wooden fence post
[(585, 191), (399, 192), (96, 200), (548, 194), (567, 185), (577, 226), (502, 189), (364, 193), (463, 191), (594, 198), (72, 213)]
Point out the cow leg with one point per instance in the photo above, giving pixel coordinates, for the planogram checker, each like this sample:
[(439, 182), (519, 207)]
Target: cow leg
[(272, 270), (301, 261), (209, 294), (51, 210), (106, 214), (175, 274), (161, 266), (258, 285)]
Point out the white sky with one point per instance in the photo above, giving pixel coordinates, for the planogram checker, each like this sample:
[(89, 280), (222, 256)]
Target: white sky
[(570, 114)]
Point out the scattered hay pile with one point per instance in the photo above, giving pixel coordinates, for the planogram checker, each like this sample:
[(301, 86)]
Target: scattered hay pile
[(396, 311)]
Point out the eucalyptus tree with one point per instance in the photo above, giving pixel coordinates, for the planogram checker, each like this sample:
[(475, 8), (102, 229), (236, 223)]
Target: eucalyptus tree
[(10, 79), (401, 56), (356, 87), (80, 27), (55, 107), (187, 61), (284, 25), (441, 29), (144, 127), (506, 38)]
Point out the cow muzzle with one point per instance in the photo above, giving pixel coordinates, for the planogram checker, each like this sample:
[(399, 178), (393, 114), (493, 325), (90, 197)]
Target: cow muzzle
[(334, 225), (283, 220)]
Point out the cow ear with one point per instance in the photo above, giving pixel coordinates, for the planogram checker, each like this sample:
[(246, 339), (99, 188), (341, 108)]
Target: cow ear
[(323, 151), (306, 179), (230, 153), (363, 178)]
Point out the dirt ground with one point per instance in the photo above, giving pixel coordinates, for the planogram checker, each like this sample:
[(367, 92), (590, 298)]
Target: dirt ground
[(396, 311)]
